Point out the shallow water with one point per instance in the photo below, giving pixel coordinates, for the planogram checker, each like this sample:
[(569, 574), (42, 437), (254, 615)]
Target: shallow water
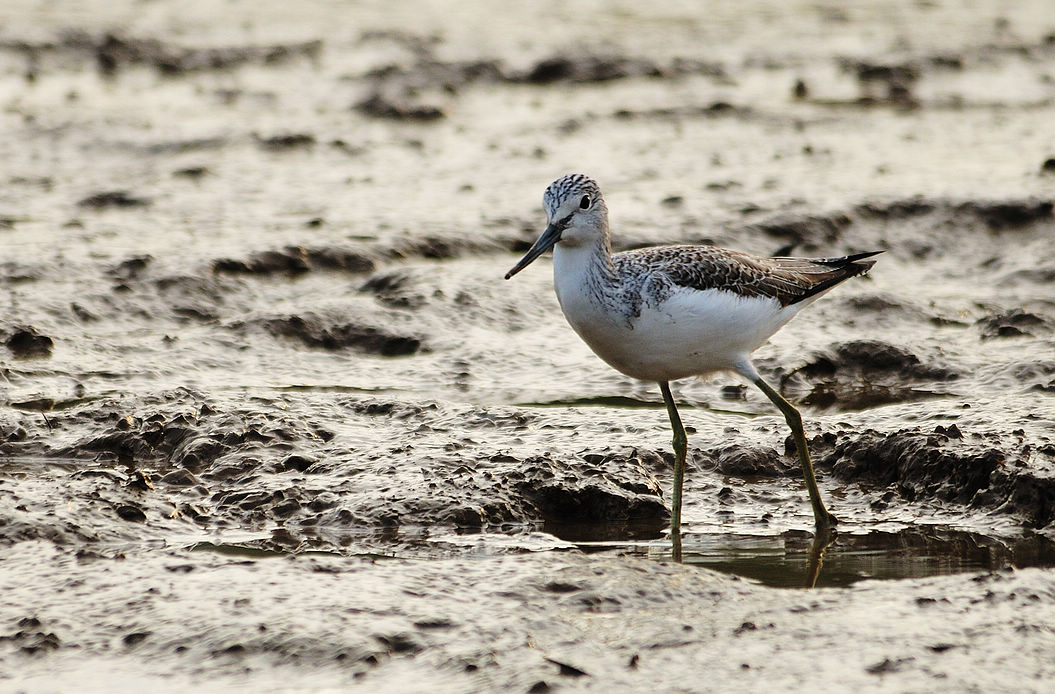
[(878, 555), (791, 560)]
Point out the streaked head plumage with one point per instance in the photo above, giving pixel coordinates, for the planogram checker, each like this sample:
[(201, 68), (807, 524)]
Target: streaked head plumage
[(575, 187), (575, 214)]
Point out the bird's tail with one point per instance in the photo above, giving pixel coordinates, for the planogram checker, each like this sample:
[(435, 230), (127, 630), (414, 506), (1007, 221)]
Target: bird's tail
[(821, 274)]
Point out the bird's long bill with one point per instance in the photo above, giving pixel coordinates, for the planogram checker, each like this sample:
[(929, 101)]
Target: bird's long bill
[(549, 238)]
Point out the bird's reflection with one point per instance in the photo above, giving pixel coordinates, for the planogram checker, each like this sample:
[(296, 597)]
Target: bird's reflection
[(822, 539)]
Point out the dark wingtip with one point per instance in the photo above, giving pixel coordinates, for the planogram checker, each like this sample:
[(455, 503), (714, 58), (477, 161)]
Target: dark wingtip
[(857, 260), (861, 256), (852, 259), (842, 269)]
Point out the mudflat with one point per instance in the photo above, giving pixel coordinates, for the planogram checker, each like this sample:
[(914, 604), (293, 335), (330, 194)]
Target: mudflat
[(271, 419)]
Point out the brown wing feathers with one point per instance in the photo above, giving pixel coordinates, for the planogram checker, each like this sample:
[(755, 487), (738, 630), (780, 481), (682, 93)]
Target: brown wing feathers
[(788, 280)]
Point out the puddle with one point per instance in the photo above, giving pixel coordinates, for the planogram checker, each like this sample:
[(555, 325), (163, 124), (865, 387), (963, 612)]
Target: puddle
[(786, 561), (789, 560)]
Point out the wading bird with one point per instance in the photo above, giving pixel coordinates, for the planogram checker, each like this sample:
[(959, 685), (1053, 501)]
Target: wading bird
[(669, 312)]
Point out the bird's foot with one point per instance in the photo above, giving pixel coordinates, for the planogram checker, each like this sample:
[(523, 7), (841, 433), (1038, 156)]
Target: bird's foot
[(826, 523)]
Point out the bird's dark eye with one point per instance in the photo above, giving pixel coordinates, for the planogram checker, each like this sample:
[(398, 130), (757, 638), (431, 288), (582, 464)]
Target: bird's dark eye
[(585, 202)]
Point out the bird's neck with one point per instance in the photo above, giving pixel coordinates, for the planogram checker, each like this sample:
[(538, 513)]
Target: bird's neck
[(585, 266)]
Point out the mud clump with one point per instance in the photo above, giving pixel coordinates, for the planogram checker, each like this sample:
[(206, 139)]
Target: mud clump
[(714, 109), (130, 268), (113, 198), (380, 105), (587, 69), (430, 72), (16, 273), (113, 52), (394, 289), (897, 209), (1009, 215), (31, 639), (27, 343), (296, 260), (1013, 323), (615, 488), (313, 331), (291, 261), (192, 172), (750, 461), (397, 91), (280, 143), (995, 215), (591, 504), (885, 83), (945, 464), (811, 231), (864, 373)]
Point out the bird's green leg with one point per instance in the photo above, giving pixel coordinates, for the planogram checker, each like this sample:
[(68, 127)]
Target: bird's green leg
[(824, 520), (681, 443)]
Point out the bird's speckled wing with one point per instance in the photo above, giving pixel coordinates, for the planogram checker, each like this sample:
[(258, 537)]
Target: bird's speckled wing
[(788, 280)]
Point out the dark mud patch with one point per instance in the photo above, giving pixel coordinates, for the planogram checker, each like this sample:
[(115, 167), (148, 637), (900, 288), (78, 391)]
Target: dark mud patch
[(193, 173), (317, 331), (1013, 323), (860, 374), (884, 83), (131, 268), (395, 289), (31, 639), (1036, 375), (398, 107), (562, 68), (1005, 215), (114, 52), (983, 471), (588, 68), (139, 293), (804, 230), (113, 199), (941, 223), (13, 273), (614, 488), (286, 141), (994, 215), (26, 342), (292, 261), (296, 260), (415, 92), (355, 259), (715, 109), (193, 297), (750, 462)]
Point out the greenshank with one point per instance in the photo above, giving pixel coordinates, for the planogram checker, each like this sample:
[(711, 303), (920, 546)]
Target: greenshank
[(669, 312)]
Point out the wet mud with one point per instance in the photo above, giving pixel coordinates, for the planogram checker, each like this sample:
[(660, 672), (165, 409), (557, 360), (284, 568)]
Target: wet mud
[(270, 417)]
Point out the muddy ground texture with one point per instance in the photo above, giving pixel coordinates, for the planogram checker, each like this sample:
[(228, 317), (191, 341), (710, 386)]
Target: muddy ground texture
[(271, 418)]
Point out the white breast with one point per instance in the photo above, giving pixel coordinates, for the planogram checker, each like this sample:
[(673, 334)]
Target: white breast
[(689, 332)]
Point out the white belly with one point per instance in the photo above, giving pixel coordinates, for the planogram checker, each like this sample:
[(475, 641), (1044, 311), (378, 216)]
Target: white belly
[(689, 333)]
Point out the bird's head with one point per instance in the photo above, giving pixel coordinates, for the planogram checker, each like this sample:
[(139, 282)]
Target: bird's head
[(575, 215)]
